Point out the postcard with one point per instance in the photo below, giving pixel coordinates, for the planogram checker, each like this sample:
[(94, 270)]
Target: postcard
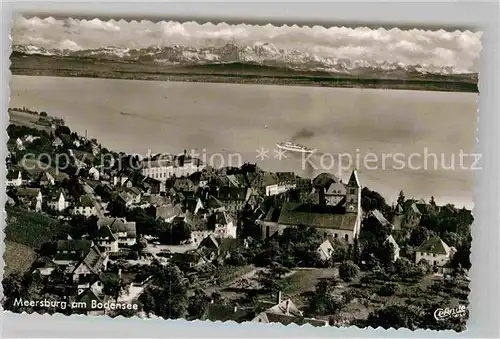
[(232, 172)]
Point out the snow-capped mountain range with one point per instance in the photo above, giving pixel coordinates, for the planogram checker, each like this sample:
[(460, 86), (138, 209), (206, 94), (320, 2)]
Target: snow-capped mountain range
[(265, 54)]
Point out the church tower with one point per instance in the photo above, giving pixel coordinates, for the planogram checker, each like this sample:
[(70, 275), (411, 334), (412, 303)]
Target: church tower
[(353, 202), (353, 194)]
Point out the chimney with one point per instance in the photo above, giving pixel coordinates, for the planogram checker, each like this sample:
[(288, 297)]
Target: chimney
[(235, 308), (278, 301)]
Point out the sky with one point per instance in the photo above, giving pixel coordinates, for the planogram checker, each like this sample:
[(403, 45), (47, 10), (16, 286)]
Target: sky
[(458, 49)]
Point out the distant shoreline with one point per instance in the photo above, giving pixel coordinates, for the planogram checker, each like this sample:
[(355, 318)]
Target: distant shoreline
[(37, 65), (258, 80)]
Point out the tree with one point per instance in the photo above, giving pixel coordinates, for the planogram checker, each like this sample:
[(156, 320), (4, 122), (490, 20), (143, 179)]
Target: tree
[(271, 279), (12, 288), (394, 317), (57, 276), (418, 236), (198, 305), (374, 200), (388, 289), (237, 257), (113, 286), (323, 300), (462, 257), (62, 130), (405, 269), (348, 271), (167, 297), (180, 231), (385, 253), (117, 208)]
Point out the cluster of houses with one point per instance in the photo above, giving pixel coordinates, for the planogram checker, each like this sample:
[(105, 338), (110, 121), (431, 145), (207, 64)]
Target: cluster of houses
[(180, 188), (283, 311)]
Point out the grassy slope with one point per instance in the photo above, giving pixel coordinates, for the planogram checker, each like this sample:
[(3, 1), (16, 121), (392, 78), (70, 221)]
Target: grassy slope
[(32, 229), (229, 73), (18, 258)]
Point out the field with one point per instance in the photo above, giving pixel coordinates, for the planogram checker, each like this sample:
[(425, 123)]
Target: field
[(26, 119), (18, 258), (32, 229)]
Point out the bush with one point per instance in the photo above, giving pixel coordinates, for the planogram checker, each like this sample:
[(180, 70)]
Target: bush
[(348, 271), (133, 255), (388, 289)]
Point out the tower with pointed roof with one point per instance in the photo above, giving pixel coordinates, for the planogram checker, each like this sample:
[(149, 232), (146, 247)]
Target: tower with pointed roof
[(353, 200), (353, 193)]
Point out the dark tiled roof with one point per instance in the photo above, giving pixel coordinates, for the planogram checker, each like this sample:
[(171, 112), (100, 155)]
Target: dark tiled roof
[(290, 319), (86, 201), (68, 256), (232, 193), (105, 233), (324, 179), (28, 192), (190, 203), (288, 177), (213, 202), (317, 216), (415, 209), (227, 313), (74, 245), (210, 242), (434, 245), (55, 194), (272, 215), (150, 181), (304, 182), (87, 297), (221, 218), (336, 189), (134, 190), (94, 260), (354, 180), (157, 200), (119, 225), (269, 179)]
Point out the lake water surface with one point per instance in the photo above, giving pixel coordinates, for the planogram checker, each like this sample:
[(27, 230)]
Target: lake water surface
[(235, 118)]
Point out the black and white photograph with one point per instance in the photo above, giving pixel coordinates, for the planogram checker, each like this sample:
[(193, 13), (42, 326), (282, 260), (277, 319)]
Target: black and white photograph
[(309, 175)]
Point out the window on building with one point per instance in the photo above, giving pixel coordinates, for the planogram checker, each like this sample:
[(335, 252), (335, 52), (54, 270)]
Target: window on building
[(346, 237), (325, 234), (335, 235), (267, 231)]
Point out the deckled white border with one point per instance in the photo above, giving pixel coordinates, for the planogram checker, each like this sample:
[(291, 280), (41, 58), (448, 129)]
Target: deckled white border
[(484, 307)]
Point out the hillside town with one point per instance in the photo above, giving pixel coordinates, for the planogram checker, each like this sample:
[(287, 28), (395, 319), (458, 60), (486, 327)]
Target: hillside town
[(172, 237)]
